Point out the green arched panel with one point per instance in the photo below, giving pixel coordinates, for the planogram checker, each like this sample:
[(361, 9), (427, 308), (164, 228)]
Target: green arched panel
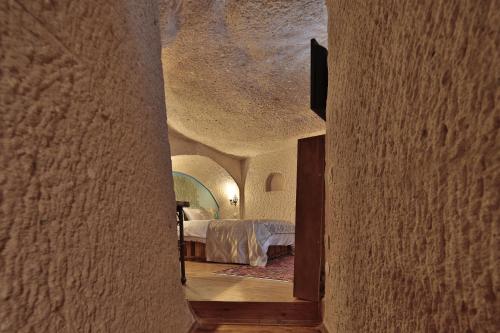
[(188, 188)]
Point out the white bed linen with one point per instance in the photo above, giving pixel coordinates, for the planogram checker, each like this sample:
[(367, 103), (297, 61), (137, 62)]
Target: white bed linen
[(239, 241), (196, 228), (245, 241), (280, 239)]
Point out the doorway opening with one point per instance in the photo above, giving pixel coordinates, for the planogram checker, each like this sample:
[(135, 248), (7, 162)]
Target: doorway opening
[(237, 91), (208, 196)]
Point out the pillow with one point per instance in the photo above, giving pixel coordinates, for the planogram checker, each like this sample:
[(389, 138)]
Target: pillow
[(197, 214)]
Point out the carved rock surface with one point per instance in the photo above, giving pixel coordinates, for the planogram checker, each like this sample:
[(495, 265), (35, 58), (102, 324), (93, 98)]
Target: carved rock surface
[(413, 167), (237, 72), (262, 204), (87, 218)]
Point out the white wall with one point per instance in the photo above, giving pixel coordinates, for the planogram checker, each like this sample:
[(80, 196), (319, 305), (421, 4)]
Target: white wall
[(277, 204), (181, 145)]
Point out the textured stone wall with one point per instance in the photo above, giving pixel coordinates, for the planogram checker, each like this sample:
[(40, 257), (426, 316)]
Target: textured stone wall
[(214, 177), (87, 224), (276, 204), (237, 72), (413, 167)]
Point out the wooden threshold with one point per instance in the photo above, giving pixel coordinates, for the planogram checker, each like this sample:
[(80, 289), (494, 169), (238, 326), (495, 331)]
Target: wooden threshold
[(264, 313), (250, 328)]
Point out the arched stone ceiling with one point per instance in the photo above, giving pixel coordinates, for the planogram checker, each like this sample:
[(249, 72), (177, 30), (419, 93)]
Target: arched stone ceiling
[(237, 72)]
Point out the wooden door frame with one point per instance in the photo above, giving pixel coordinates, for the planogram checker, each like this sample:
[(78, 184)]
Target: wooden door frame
[(297, 313), (310, 219)]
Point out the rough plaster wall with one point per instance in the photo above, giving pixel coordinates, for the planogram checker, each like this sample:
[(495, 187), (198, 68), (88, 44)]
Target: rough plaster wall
[(276, 204), (255, 92), (87, 224), (181, 145), (214, 177), (413, 167)]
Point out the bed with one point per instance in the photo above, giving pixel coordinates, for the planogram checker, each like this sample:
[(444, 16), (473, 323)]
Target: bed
[(251, 242)]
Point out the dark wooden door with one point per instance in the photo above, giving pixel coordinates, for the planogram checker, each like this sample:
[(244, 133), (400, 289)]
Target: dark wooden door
[(309, 218)]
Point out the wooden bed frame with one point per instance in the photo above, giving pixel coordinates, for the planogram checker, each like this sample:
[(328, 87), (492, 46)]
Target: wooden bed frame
[(195, 251)]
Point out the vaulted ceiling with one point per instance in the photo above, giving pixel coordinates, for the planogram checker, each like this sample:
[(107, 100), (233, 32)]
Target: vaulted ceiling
[(237, 72)]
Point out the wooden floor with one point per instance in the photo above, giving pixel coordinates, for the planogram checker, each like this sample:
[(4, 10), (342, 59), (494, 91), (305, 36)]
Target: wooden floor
[(203, 285), (240, 301)]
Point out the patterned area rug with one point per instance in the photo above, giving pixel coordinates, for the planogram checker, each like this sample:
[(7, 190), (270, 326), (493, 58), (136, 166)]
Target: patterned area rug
[(277, 269)]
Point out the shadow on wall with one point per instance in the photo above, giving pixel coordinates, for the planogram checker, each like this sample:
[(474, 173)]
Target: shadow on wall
[(275, 182)]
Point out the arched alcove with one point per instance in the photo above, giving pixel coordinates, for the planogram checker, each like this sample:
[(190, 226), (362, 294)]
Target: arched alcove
[(275, 182), (214, 177)]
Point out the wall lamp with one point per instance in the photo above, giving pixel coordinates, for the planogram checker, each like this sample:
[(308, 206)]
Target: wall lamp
[(234, 200)]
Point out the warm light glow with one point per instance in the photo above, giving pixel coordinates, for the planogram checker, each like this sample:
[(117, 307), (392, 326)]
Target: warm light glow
[(232, 190)]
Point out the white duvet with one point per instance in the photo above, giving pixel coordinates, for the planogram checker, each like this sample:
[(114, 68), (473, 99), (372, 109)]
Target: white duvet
[(239, 241)]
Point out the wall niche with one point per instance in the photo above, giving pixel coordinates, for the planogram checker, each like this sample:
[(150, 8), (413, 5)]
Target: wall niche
[(275, 182)]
